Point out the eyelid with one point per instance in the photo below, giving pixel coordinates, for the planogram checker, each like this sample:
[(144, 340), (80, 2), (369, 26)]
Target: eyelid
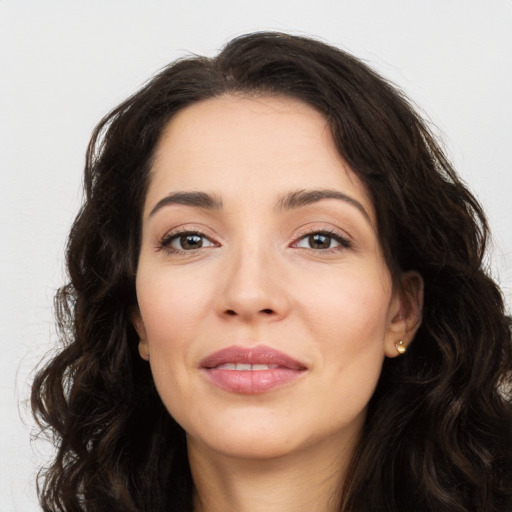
[(168, 243), (322, 227), (339, 235), (163, 242)]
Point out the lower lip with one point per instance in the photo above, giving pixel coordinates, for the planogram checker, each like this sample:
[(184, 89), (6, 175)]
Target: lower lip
[(252, 382)]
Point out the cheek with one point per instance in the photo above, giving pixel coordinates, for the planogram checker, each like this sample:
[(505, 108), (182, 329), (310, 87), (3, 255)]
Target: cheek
[(351, 306), (171, 309), (171, 306), (348, 318)]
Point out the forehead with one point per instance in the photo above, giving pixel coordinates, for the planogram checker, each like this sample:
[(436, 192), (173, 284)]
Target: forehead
[(233, 146)]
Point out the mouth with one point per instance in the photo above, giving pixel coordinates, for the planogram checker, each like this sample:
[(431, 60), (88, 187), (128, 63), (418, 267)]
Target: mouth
[(245, 367), (251, 370)]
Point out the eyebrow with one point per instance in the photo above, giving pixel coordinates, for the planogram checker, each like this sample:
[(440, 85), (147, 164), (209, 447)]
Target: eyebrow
[(195, 199), (301, 198), (289, 201)]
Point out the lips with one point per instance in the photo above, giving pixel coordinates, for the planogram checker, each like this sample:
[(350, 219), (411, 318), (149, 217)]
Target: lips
[(251, 370)]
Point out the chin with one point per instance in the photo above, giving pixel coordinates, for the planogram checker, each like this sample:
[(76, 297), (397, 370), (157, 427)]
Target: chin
[(250, 446), (246, 438), (253, 437)]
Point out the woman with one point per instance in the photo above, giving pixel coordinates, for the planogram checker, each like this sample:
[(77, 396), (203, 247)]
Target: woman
[(276, 302)]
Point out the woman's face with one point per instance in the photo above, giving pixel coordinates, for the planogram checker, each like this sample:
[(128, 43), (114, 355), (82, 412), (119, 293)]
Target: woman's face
[(265, 303)]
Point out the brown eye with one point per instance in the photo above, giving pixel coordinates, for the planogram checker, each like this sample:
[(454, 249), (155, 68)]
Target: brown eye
[(186, 242), (319, 241), (189, 242), (322, 241)]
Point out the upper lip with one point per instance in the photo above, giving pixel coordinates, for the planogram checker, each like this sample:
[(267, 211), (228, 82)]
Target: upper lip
[(259, 354)]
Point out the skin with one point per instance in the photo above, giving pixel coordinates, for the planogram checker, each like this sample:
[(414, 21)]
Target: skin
[(259, 279)]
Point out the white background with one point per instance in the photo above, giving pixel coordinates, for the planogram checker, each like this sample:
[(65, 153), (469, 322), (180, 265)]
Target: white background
[(64, 64)]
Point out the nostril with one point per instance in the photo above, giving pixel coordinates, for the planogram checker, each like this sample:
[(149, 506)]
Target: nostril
[(232, 312)]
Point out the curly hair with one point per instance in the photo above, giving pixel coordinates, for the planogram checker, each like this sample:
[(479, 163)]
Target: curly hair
[(438, 433)]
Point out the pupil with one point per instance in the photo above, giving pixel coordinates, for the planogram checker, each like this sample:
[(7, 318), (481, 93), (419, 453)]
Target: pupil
[(319, 241), (191, 242)]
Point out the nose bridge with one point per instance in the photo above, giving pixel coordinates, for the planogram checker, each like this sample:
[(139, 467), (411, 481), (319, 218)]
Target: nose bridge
[(252, 284)]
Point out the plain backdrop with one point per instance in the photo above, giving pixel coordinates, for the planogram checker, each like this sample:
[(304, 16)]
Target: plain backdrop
[(64, 64)]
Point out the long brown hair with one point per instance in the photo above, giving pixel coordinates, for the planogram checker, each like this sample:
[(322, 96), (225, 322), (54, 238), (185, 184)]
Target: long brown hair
[(438, 435)]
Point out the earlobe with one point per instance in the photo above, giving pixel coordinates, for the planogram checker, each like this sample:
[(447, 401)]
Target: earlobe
[(143, 350), (139, 326), (405, 314)]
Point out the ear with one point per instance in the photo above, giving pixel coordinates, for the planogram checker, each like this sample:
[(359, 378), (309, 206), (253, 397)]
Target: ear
[(405, 312), (138, 324)]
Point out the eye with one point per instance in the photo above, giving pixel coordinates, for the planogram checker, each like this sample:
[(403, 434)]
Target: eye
[(186, 241), (322, 241)]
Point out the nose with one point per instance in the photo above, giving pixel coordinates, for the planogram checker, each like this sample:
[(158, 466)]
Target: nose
[(253, 287)]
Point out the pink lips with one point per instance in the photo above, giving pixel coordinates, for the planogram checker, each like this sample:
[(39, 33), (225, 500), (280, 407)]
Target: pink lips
[(251, 370)]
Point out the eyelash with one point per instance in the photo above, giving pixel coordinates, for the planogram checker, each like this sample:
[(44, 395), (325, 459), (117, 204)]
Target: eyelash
[(344, 243), (169, 238)]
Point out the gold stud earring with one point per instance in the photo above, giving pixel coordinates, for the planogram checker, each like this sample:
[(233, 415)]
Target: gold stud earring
[(400, 347), (143, 355)]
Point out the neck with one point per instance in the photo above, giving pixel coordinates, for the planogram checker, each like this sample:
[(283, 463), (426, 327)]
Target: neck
[(309, 480)]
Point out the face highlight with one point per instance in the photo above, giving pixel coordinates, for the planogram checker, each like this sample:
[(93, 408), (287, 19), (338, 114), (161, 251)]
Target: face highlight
[(264, 299)]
